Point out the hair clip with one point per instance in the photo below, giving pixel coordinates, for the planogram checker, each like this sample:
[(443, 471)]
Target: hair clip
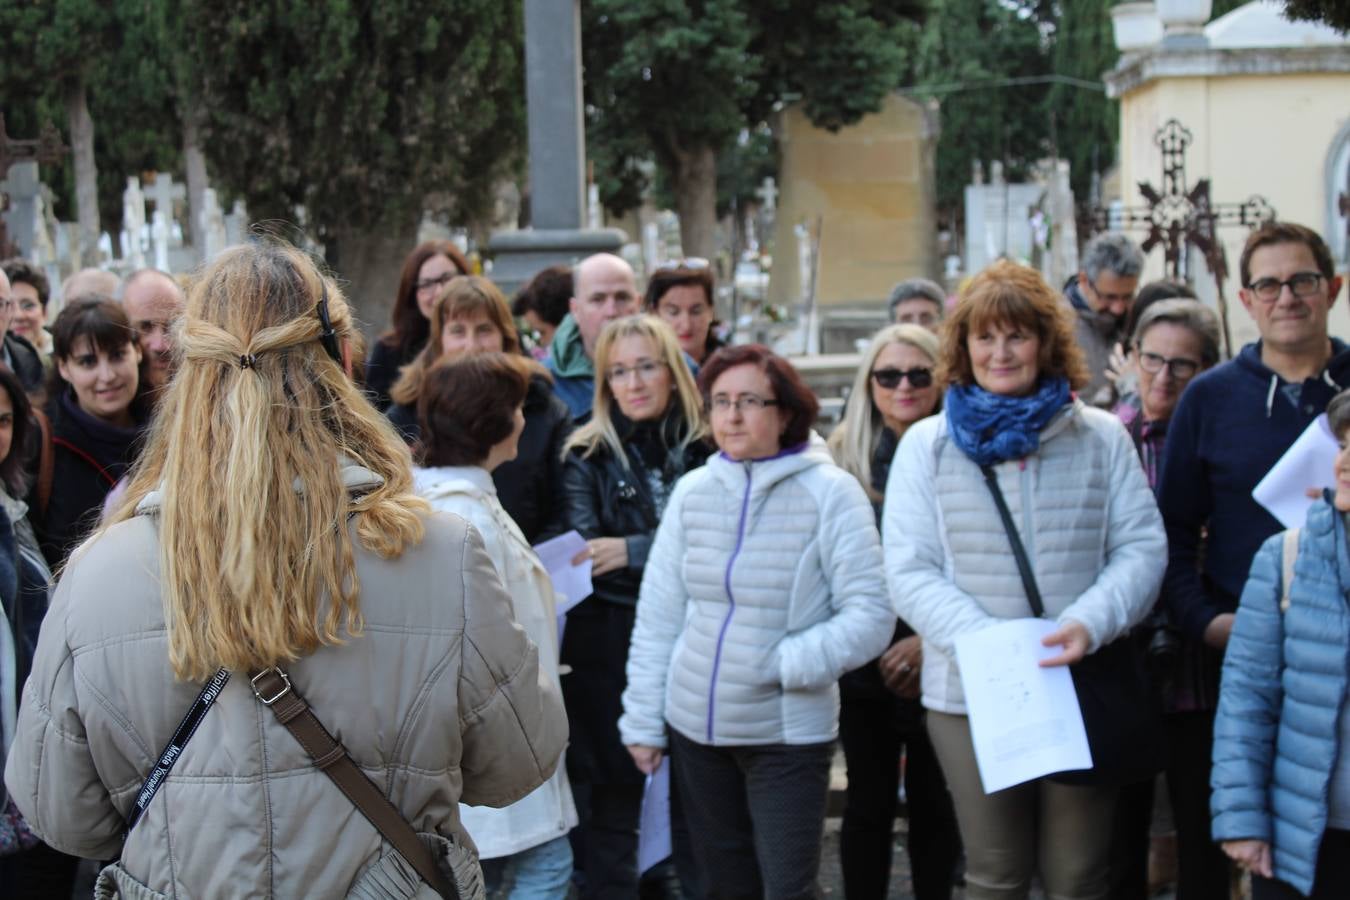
[(248, 361), (327, 336)]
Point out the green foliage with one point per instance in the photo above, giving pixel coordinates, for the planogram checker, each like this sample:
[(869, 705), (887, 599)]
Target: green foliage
[(357, 111), (664, 77), (1335, 13), (969, 47), (1085, 123)]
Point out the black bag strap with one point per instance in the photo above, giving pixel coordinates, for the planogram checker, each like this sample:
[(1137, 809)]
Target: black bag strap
[(1019, 552), (174, 748)]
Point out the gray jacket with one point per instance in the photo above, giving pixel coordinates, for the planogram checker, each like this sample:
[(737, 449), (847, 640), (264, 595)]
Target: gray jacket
[(440, 701)]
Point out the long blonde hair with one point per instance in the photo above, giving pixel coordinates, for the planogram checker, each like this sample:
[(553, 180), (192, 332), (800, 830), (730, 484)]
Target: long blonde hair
[(465, 295), (854, 440), (256, 561), (600, 429)]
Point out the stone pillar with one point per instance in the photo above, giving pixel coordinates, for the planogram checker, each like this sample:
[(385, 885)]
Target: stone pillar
[(557, 152), (21, 219)]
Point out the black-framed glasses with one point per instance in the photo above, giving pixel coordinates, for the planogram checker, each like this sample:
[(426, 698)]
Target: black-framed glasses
[(1178, 367), (890, 378), (441, 280), (1111, 298), (1301, 284), (722, 404)]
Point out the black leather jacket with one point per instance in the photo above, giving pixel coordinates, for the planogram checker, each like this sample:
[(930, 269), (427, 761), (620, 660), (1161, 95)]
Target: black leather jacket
[(605, 498)]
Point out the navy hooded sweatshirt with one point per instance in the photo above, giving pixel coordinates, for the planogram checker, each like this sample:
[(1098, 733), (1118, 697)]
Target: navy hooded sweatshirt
[(1232, 425)]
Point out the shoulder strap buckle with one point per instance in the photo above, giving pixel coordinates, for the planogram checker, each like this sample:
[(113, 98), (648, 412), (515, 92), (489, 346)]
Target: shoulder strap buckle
[(271, 681)]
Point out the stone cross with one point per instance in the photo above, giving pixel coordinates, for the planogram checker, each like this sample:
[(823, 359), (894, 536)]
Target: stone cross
[(236, 224), (164, 193), (133, 223), (211, 225), (768, 193), (159, 235), (18, 197)]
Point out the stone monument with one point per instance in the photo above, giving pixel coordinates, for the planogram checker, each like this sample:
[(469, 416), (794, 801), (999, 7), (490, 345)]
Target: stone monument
[(557, 153)]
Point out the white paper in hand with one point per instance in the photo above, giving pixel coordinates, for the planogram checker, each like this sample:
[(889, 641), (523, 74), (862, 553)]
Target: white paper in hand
[(654, 826), (1308, 463), (571, 584), (1024, 720)]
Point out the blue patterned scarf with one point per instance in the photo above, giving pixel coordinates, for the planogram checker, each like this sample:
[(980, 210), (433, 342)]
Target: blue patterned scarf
[(992, 428)]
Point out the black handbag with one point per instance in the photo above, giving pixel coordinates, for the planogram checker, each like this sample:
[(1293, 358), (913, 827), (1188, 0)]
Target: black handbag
[(1120, 715)]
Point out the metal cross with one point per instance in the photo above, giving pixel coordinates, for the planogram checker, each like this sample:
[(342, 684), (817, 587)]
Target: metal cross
[(1176, 216)]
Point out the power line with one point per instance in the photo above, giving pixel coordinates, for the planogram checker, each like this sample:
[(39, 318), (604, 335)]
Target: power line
[(955, 86)]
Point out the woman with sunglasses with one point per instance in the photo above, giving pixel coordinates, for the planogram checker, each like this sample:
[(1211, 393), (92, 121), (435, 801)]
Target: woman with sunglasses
[(645, 431), (682, 295), (880, 714), (426, 271)]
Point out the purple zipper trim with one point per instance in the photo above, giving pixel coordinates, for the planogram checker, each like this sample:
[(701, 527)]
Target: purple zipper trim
[(786, 451), (731, 598)]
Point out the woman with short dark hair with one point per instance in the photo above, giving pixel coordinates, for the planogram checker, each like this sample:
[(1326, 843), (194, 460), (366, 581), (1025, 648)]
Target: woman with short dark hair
[(470, 409), (1094, 544), (682, 295), (98, 412), (763, 586)]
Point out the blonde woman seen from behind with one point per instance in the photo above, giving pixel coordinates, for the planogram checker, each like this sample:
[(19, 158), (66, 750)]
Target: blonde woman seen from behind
[(270, 523), (470, 410)]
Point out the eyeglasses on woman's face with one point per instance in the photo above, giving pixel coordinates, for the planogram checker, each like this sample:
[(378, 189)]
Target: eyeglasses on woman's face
[(1178, 367), (646, 370), (745, 403), (890, 378)]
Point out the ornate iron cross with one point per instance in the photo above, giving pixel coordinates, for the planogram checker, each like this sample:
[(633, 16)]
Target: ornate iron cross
[(1177, 216)]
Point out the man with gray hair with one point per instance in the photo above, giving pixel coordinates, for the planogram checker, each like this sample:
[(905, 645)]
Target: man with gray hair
[(1101, 298), (917, 301)]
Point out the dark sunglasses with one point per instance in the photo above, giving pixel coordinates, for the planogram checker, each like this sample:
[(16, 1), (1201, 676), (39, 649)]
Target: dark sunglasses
[(890, 378)]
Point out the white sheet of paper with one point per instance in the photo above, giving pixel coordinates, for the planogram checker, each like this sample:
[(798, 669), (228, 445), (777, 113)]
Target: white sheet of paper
[(1024, 720), (571, 584), (654, 826), (1308, 463)]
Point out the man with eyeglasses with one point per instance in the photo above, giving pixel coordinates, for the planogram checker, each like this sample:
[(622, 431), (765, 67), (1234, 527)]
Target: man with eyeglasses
[(1232, 424), (1101, 297), (604, 288), (16, 354), (918, 301)]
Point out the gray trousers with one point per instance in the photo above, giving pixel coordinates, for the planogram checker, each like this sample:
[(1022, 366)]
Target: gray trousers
[(755, 816), (1061, 832)]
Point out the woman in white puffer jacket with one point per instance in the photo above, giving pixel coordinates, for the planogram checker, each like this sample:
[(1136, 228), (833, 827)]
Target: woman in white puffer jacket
[(470, 411), (1092, 533), (763, 586)]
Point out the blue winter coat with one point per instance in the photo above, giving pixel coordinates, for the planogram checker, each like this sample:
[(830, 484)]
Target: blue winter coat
[(1276, 738)]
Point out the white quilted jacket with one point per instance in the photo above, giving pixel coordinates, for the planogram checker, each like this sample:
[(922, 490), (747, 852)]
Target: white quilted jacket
[(1085, 514), (763, 586)]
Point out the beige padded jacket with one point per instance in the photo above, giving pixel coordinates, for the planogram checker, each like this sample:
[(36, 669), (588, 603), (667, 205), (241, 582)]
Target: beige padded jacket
[(439, 701)]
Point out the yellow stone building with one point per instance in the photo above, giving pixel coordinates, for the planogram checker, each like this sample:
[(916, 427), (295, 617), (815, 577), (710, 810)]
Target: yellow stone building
[(1267, 104)]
